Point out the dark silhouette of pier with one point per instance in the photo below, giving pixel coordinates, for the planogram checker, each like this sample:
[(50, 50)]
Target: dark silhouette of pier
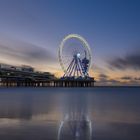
[(11, 76)]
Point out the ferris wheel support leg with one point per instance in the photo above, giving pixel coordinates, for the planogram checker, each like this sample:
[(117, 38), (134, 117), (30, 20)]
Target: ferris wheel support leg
[(75, 69), (81, 67), (68, 69), (72, 69)]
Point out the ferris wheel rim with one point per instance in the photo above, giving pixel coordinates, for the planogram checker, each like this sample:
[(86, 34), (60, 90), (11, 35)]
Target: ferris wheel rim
[(82, 40)]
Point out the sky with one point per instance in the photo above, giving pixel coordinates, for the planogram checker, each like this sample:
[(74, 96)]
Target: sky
[(32, 30)]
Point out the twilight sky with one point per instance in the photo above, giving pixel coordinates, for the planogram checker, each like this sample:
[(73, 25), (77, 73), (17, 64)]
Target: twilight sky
[(31, 31)]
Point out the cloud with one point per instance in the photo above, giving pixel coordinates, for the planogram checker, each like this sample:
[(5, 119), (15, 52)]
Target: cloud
[(25, 52), (103, 76), (126, 78), (129, 61), (130, 80), (137, 78), (108, 82), (98, 68), (105, 80)]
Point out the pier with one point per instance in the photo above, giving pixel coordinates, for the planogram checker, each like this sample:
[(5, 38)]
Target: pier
[(9, 82), (16, 78)]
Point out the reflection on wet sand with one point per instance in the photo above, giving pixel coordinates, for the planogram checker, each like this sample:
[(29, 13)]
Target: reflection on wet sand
[(73, 129), (67, 114), (76, 124)]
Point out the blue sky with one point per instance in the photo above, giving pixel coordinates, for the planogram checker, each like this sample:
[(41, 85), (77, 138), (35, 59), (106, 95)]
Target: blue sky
[(111, 27)]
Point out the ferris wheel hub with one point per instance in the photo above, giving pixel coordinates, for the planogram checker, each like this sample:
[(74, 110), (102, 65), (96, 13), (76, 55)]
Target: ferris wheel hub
[(78, 55)]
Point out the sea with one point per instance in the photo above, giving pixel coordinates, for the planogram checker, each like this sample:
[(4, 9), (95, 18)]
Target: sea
[(98, 113)]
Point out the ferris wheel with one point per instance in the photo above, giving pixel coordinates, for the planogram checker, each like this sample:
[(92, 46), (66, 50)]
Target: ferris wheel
[(74, 56)]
